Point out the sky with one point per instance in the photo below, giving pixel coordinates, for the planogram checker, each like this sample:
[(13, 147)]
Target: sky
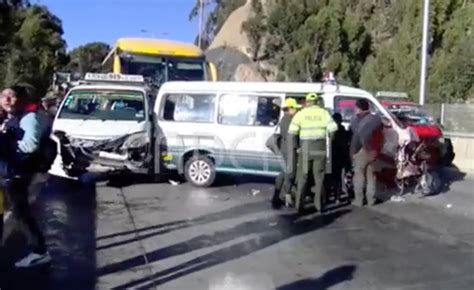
[(107, 20)]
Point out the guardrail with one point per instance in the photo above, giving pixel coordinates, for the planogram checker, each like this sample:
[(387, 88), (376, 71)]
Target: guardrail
[(459, 135)]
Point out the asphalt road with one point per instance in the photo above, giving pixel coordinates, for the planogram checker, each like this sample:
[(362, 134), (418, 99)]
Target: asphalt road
[(160, 236)]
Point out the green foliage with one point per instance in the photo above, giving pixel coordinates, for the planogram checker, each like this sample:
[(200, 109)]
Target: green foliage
[(88, 58), (305, 38), (32, 46), (372, 44)]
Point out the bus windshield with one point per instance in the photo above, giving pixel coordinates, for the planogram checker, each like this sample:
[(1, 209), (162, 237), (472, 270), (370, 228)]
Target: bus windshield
[(104, 105), (161, 69)]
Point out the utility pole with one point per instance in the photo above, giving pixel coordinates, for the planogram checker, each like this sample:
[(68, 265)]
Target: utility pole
[(424, 52), (200, 22)]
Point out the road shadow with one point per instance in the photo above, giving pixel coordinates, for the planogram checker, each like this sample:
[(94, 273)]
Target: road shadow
[(453, 173), (240, 179), (262, 234), (326, 281), (66, 211), (147, 232), (129, 179)]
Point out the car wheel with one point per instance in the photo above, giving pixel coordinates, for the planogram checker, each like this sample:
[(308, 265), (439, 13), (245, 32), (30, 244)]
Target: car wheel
[(200, 171)]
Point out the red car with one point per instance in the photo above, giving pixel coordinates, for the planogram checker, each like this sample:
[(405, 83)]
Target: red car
[(426, 127), (414, 116)]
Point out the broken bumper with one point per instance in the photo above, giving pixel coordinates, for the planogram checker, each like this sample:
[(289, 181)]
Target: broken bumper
[(128, 153)]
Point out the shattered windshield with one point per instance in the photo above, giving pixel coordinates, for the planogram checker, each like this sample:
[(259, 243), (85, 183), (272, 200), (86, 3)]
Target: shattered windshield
[(104, 105)]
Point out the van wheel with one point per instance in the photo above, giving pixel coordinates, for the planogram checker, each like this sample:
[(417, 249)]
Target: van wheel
[(200, 171)]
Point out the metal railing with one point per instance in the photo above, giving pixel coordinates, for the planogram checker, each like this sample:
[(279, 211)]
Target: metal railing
[(456, 119)]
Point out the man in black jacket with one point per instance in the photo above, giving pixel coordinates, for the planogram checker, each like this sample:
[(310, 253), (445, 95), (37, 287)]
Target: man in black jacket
[(285, 180), (341, 159)]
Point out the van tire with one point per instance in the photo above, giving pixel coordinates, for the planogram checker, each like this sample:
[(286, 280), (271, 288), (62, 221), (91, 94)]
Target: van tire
[(200, 171)]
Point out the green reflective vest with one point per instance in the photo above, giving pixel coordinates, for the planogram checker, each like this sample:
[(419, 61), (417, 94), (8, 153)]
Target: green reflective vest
[(312, 123)]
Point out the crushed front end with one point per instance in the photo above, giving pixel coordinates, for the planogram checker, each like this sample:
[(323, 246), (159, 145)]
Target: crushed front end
[(128, 153)]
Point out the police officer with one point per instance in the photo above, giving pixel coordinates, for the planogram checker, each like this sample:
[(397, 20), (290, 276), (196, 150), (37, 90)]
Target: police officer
[(310, 127), (285, 180)]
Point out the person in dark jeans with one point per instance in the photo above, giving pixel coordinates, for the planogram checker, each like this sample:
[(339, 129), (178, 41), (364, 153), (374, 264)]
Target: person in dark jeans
[(286, 177), (28, 128), (366, 144)]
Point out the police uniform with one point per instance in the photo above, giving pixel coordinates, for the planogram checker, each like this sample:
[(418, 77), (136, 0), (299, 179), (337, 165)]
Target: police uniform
[(286, 177), (311, 127)]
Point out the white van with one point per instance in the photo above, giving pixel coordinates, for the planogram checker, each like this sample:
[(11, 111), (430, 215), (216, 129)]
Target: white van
[(197, 128), (206, 128), (102, 108)]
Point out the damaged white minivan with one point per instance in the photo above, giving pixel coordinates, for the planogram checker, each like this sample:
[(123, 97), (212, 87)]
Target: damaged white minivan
[(103, 125), (114, 124)]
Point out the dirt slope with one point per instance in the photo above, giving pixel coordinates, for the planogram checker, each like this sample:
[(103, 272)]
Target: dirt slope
[(230, 49)]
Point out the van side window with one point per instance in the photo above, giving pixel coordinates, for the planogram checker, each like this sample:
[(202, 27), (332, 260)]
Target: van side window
[(268, 111), (237, 109), (346, 107), (189, 108)]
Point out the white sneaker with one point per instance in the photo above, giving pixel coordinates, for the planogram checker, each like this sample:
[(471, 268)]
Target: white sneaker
[(33, 260)]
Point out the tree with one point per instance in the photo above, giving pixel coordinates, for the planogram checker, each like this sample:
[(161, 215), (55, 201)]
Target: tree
[(33, 46), (372, 44), (88, 58)]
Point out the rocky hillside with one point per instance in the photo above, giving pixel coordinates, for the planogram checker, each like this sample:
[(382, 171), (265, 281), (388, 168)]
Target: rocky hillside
[(231, 51), (367, 43)]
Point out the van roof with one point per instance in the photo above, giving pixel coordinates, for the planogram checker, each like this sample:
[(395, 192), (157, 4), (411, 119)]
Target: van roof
[(273, 87), (158, 46)]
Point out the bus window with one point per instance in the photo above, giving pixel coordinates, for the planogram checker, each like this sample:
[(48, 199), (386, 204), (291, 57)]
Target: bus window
[(188, 70)]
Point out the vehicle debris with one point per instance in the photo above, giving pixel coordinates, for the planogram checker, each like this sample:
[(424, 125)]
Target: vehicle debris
[(173, 182), (255, 192)]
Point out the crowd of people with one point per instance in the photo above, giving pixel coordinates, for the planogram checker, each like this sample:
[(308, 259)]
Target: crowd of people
[(303, 133), (26, 152)]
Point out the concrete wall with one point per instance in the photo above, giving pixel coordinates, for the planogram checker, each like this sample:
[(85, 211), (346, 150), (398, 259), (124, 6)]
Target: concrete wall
[(464, 149)]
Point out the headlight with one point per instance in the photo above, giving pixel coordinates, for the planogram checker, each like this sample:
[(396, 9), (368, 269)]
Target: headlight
[(137, 140)]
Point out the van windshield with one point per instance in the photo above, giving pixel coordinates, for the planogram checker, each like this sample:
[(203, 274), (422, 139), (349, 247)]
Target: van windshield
[(104, 105)]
